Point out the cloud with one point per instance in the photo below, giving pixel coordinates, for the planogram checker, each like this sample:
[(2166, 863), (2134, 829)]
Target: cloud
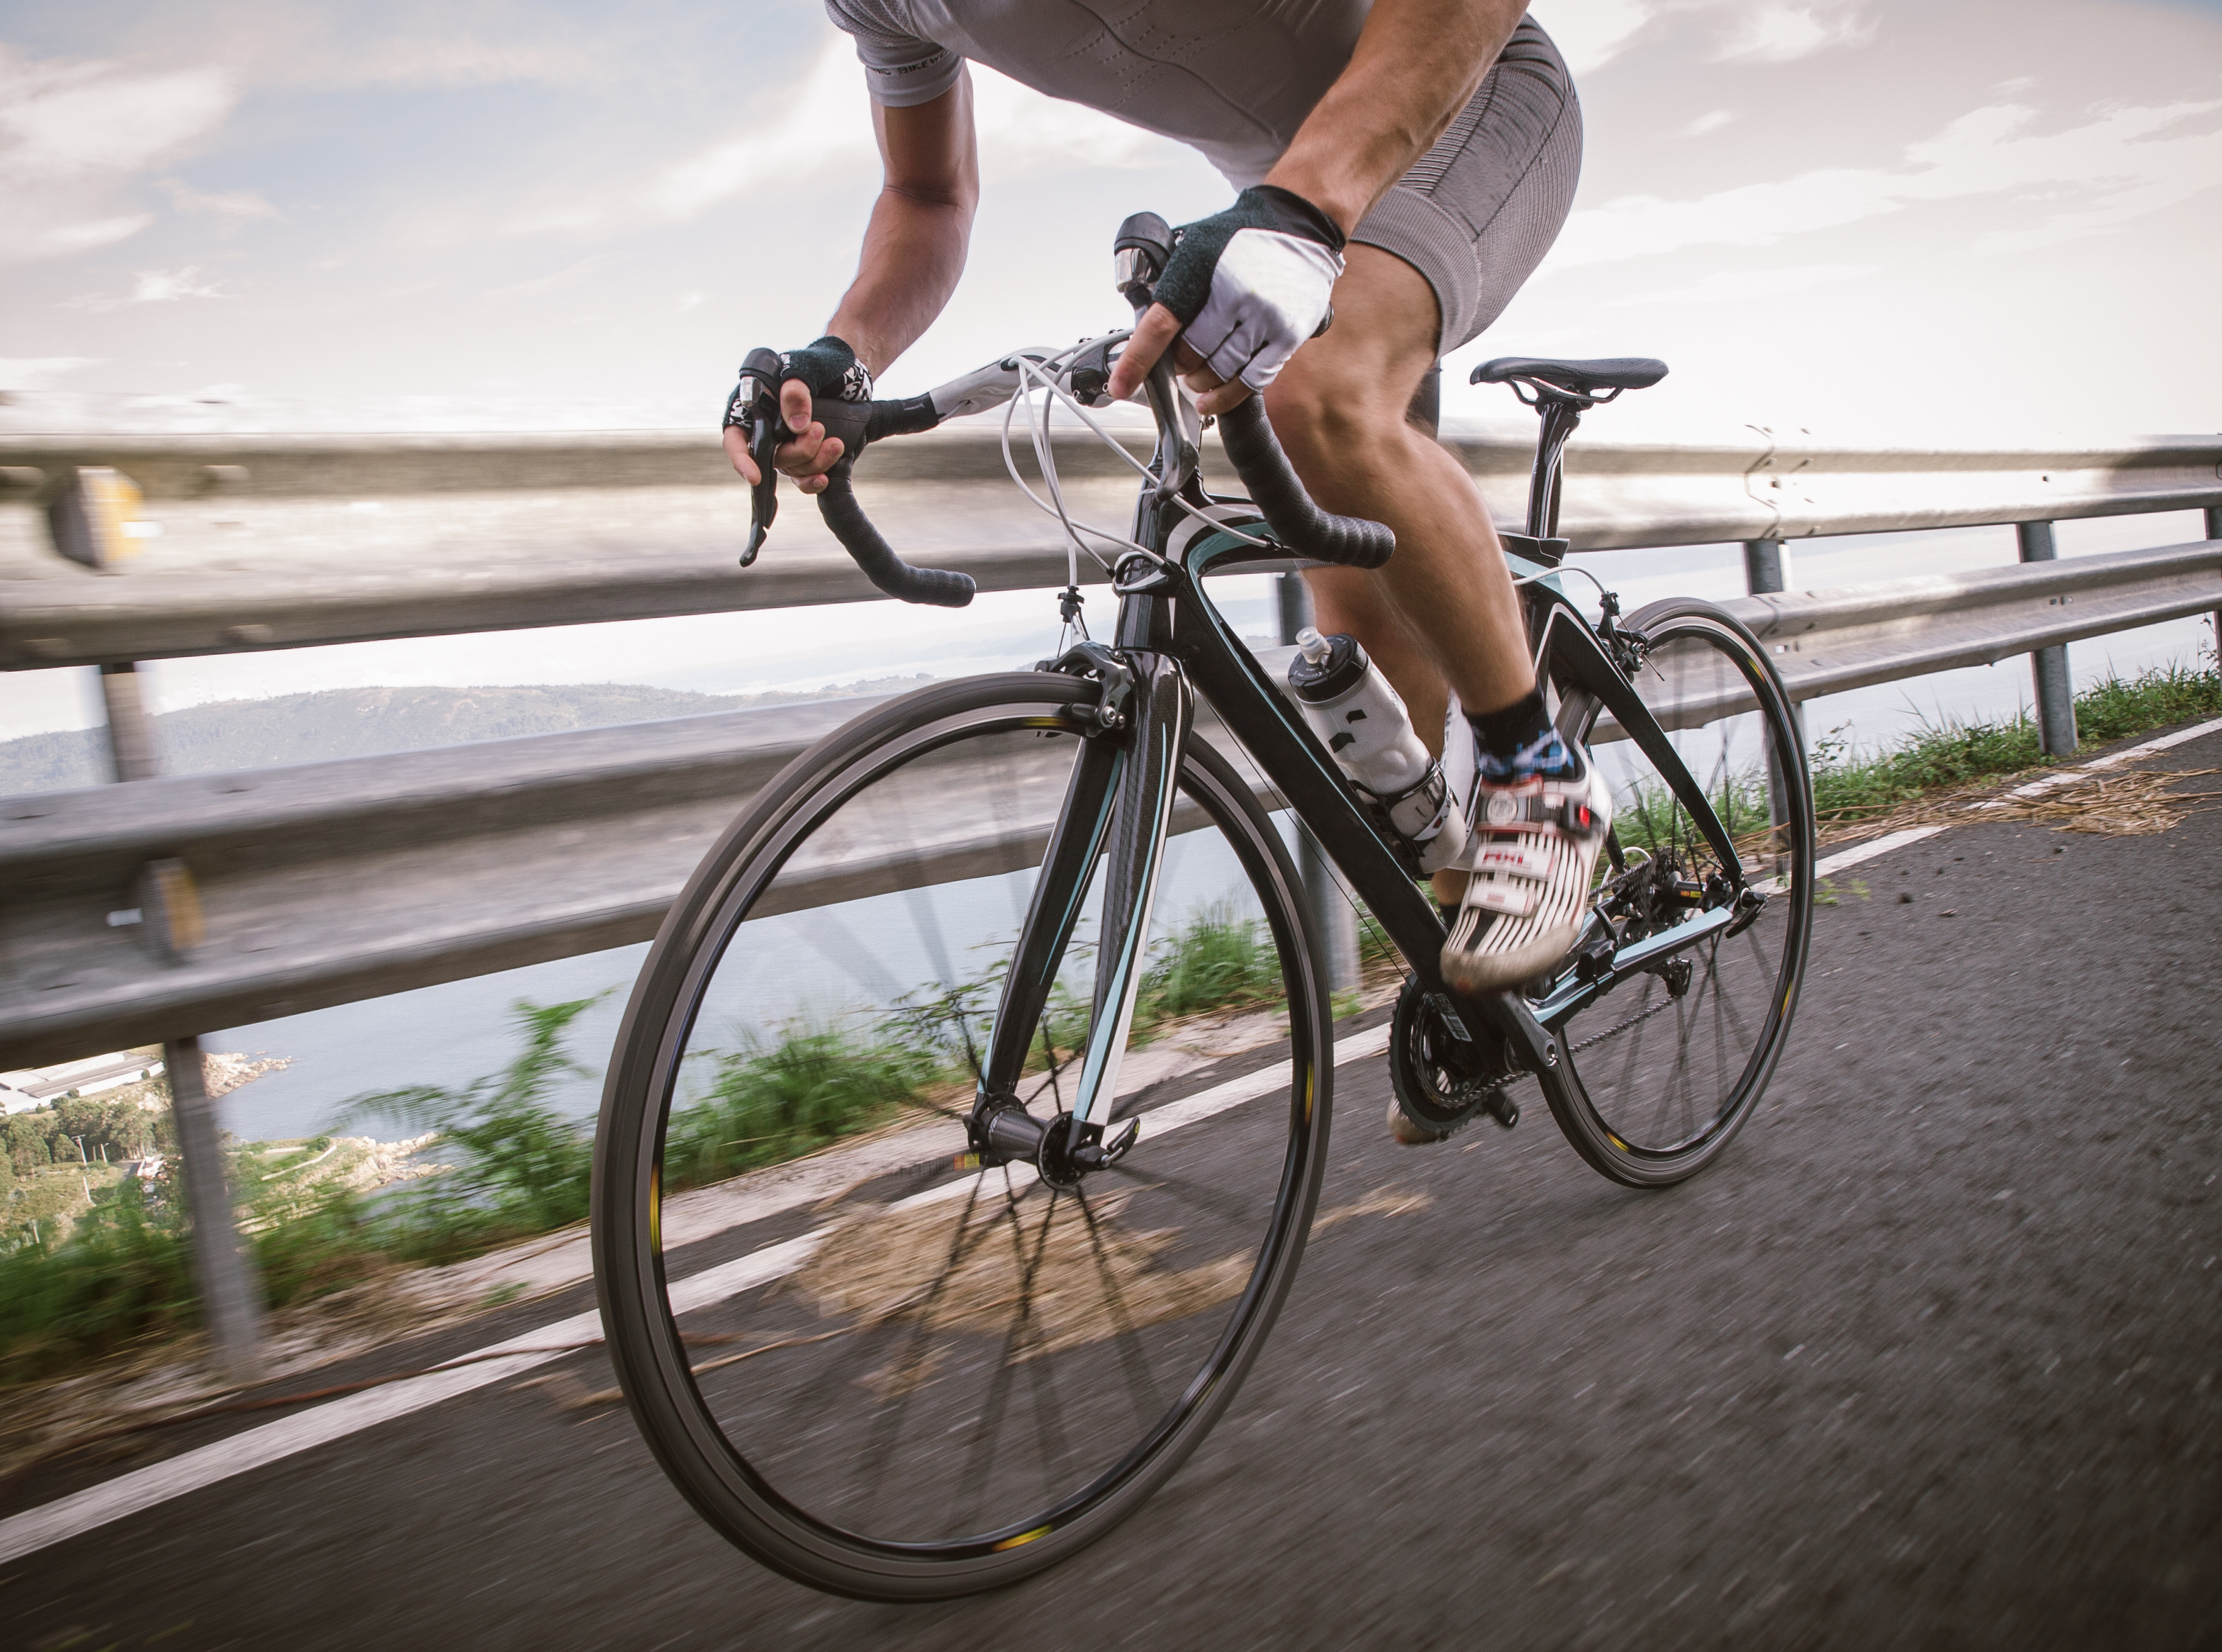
[(60, 120), (1778, 34), (1589, 34), (84, 237), (155, 286), (456, 60), (37, 372), (2118, 167), (822, 131), (1732, 287), (73, 135), (238, 203), (1712, 121), (1593, 32)]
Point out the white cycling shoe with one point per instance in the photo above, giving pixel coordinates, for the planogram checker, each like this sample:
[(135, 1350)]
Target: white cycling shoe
[(1534, 851)]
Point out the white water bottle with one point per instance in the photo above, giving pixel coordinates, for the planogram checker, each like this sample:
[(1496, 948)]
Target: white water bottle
[(1363, 722)]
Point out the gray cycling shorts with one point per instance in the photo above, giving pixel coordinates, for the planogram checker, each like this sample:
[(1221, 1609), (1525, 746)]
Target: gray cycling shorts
[(1479, 210)]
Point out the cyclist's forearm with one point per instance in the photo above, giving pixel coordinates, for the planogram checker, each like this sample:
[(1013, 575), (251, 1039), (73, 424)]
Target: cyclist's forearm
[(912, 255), (1416, 63), (920, 227)]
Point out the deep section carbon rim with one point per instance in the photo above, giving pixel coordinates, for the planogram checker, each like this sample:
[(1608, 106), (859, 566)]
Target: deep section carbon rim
[(944, 1373), (1660, 1071)]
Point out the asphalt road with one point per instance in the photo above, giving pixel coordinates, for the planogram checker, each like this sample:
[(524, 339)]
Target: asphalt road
[(1930, 1359)]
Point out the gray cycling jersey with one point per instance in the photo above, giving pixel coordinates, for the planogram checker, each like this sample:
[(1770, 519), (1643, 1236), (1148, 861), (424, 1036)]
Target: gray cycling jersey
[(1233, 78), (1237, 77)]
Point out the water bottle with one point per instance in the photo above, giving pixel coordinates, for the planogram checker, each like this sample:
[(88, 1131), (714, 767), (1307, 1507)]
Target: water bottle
[(1363, 722)]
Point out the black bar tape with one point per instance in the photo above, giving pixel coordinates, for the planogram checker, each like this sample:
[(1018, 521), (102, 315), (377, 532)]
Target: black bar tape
[(859, 424), (1305, 529)]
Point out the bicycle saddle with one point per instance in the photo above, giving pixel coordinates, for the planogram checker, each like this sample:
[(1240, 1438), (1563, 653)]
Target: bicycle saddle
[(1582, 378)]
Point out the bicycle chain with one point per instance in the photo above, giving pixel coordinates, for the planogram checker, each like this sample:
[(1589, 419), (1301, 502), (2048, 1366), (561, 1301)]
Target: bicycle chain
[(1614, 1032)]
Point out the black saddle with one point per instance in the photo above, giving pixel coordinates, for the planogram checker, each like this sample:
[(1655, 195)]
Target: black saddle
[(1591, 382)]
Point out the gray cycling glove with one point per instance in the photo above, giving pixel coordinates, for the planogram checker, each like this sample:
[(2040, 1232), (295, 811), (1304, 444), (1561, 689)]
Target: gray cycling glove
[(1253, 283), (828, 368)]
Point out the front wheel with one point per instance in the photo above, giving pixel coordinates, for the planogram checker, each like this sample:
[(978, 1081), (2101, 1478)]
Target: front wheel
[(1661, 1069), (905, 1368)]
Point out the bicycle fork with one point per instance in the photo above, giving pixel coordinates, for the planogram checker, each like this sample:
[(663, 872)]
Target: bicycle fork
[(1118, 806)]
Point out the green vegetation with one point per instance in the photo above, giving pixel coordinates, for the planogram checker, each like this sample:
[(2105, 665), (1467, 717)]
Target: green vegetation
[(1849, 786), (110, 1127), (1217, 960), (769, 1101), (522, 1168)]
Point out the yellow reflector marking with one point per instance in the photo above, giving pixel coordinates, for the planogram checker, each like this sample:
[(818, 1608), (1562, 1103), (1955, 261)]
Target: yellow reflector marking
[(655, 1210), (1024, 1537)]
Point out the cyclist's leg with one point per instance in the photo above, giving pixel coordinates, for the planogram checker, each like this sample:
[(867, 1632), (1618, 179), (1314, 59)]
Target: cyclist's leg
[(1431, 267), (1443, 610)]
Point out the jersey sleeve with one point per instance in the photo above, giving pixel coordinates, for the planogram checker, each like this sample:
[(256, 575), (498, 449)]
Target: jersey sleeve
[(902, 70)]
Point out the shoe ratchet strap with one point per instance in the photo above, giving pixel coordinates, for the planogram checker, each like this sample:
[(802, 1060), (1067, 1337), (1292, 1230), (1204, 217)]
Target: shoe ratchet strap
[(1566, 811)]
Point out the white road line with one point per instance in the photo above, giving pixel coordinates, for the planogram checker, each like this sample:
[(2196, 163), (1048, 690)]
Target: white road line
[(143, 1488), (1883, 845), (2092, 770)]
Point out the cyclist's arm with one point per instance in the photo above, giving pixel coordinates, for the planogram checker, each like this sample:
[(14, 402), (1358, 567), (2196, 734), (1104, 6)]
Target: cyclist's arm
[(912, 254), (1416, 63)]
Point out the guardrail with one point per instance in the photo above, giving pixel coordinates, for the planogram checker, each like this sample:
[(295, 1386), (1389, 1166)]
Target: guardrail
[(287, 542)]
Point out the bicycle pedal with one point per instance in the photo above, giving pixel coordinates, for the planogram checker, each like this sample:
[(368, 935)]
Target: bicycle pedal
[(1503, 1111)]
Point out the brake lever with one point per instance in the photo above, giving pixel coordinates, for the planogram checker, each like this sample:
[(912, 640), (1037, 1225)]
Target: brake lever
[(759, 387)]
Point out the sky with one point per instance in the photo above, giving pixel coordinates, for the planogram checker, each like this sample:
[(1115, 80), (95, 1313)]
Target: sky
[(1858, 217), (1885, 220)]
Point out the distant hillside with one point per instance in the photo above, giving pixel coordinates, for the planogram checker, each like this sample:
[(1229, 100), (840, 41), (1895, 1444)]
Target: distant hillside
[(357, 722)]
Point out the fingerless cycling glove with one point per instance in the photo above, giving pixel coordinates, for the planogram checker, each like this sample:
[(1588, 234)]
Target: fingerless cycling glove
[(828, 368), (1253, 283)]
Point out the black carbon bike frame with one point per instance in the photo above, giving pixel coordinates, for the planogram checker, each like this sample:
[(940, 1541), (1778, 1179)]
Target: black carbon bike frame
[(1170, 643)]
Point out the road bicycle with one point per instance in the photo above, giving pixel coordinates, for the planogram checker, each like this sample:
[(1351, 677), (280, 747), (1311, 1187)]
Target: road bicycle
[(966, 930)]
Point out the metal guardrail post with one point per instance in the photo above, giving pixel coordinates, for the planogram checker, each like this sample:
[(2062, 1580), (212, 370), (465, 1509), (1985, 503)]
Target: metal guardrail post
[(231, 1304), (2056, 689), (2214, 619), (130, 735), (222, 1266), (1325, 903), (1766, 569)]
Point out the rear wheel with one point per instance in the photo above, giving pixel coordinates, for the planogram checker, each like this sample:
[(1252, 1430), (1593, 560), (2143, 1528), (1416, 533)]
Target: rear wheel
[(892, 1370), (1660, 1071)]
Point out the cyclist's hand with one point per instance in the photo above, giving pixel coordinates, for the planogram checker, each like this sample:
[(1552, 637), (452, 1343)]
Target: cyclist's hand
[(1248, 285), (827, 368)]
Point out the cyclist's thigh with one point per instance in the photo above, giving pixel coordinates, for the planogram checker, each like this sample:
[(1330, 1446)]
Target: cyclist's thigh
[(1482, 207)]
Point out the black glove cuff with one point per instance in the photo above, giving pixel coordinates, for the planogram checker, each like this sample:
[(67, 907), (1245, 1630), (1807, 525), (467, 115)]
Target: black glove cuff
[(1294, 216), (1197, 247), (828, 369)]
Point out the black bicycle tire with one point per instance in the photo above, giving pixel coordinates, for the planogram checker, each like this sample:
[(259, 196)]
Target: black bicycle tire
[(628, 1267), (1578, 1116)]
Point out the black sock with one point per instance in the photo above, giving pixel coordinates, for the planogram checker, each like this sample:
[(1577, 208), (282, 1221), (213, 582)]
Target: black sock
[(1520, 739), (1504, 731)]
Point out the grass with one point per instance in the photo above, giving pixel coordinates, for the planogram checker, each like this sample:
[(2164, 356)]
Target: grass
[(1849, 786)]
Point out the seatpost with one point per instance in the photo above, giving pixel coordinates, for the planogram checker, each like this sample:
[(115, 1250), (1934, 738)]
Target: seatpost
[(1560, 413)]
